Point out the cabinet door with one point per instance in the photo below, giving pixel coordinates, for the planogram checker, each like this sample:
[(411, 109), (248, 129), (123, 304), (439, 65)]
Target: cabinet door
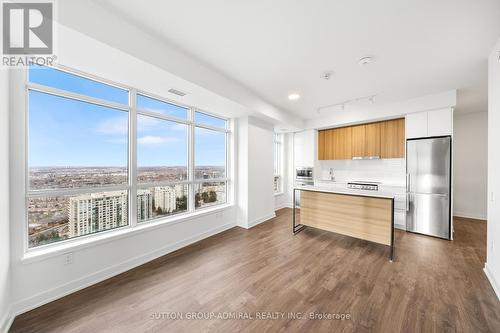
[(297, 150), (372, 139), (416, 125), (342, 143), (347, 151), (439, 122), (329, 147), (308, 148), (321, 145), (392, 139), (358, 141)]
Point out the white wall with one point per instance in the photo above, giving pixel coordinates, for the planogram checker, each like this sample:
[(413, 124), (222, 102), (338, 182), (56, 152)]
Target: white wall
[(492, 266), (4, 202), (255, 172), (470, 157)]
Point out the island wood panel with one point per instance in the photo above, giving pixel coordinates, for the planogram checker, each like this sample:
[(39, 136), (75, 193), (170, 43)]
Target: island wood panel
[(392, 138), (358, 141), (361, 217), (372, 139)]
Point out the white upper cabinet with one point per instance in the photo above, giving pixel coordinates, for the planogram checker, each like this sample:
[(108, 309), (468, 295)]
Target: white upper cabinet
[(416, 125), (440, 122), (304, 148), (429, 123)]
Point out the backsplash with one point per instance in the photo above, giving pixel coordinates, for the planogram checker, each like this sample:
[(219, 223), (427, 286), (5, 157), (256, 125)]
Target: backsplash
[(390, 172)]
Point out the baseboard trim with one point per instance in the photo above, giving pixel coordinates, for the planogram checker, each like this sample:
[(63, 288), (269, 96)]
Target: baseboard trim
[(261, 220), (6, 321), (53, 294), (283, 205), (493, 282), (400, 226), (278, 207), (470, 216)]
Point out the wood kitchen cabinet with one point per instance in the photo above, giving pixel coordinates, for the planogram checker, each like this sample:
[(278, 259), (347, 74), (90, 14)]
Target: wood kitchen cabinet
[(358, 140), (328, 144), (392, 138), (334, 144), (366, 140), (342, 139), (384, 139), (321, 145), (372, 141)]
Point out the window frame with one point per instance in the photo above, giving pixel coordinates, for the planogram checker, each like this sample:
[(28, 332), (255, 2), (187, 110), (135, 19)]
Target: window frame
[(133, 185)]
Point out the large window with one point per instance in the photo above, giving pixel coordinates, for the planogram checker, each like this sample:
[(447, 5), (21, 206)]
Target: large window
[(210, 156), (102, 156), (278, 163)]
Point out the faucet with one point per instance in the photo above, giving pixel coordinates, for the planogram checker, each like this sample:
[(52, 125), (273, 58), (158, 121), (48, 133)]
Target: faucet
[(332, 178)]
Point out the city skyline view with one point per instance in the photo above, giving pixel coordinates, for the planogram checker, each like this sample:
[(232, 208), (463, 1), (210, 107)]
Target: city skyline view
[(59, 217)]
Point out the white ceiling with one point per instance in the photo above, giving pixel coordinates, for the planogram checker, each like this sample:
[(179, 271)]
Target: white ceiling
[(282, 46)]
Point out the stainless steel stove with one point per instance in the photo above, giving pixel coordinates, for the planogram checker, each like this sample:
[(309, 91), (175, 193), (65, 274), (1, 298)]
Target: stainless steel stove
[(363, 185)]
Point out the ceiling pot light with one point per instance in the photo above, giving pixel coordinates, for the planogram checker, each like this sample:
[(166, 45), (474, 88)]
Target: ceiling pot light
[(365, 61), (293, 97)]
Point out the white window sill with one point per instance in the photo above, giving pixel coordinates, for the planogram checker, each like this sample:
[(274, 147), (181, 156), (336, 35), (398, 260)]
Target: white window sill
[(75, 244), (278, 193)]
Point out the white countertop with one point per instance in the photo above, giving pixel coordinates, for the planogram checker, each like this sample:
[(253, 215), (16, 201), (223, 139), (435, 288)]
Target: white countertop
[(337, 190)]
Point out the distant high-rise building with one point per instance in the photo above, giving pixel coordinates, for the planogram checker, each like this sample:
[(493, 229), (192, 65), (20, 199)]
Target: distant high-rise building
[(95, 212), (144, 205), (179, 190), (165, 198)]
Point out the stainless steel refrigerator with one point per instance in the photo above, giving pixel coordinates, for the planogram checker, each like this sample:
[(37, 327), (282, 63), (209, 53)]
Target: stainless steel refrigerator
[(428, 186)]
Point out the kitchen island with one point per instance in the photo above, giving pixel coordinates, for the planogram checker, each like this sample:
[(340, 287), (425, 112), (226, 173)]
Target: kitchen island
[(367, 215)]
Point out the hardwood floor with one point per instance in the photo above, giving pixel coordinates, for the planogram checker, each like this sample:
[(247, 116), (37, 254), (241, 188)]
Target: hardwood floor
[(433, 286)]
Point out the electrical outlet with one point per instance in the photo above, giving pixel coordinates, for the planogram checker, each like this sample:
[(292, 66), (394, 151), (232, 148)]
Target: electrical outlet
[(68, 258)]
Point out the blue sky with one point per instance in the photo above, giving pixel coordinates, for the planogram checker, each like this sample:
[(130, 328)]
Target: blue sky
[(65, 132)]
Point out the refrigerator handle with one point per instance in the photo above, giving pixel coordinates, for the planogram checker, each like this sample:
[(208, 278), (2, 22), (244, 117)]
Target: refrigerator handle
[(408, 177)]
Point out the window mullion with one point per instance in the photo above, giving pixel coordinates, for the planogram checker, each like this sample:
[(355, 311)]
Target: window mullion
[(191, 175), (132, 159)]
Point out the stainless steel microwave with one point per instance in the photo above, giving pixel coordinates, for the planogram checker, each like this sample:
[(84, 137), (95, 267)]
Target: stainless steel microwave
[(304, 173)]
